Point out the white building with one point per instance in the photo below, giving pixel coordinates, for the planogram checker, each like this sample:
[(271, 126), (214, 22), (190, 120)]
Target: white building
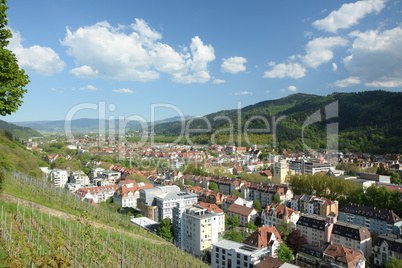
[(165, 198), (197, 228), (226, 253), (79, 177), (128, 193), (274, 215), (59, 177)]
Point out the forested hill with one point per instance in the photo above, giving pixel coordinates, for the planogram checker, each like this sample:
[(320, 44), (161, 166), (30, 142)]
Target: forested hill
[(19, 131), (369, 121)]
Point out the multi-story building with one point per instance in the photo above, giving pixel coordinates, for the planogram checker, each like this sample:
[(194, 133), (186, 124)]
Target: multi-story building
[(59, 177), (226, 253), (311, 204), (386, 247), (160, 201), (196, 228), (316, 228), (316, 166), (266, 193), (381, 221), (128, 193), (336, 255), (275, 214), (79, 177), (244, 214), (98, 194), (265, 237)]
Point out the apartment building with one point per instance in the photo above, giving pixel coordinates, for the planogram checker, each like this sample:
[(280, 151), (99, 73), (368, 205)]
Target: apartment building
[(196, 228), (59, 177), (226, 253), (275, 214), (311, 204), (157, 203), (380, 221), (316, 229), (386, 247)]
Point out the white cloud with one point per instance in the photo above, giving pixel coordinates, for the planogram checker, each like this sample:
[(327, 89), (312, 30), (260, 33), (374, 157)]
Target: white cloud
[(89, 87), (334, 67), (243, 93), (123, 90), (293, 70), (375, 57), (282, 90), (233, 65), (219, 81), (292, 88), (196, 68), (267, 91), (84, 72), (40, 60), (348, 15), (380, 84), (134, 53), (319, 50), (350, 81)]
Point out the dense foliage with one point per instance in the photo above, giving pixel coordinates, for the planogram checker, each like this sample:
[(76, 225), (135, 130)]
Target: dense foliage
[(368, 122), (12, 78)]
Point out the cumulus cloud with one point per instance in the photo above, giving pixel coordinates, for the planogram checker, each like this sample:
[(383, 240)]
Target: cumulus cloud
[(292, 69), (348, 15), (375, 57), (350, 81), (334, 67), (243, 93), (319, 50), (89, 87), (219, 81), (233, 65), (135, 53), (292, 88), (40, 60), (123, 90)]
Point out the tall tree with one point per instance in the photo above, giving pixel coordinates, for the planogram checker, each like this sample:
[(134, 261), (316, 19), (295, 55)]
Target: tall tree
[(165, 229), (213, 186), (284, 253), (12, 78), (296, 240)]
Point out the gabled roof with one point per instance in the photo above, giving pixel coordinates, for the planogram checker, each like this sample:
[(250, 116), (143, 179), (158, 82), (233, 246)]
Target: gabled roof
[(394, 242), (344, 255), (210, 207), (280, 211), (240, 210), (263, 237), (369, 212)]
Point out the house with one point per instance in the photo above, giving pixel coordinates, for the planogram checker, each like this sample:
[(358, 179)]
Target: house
[(265, 237), (243, 213), (311, 204), (99, 193), (196, 228), (336, 255), (128, 193), (381, 221), (386, 247), (232, 199), (316, 228), (226, 253), (275, 214), (265, 192), (210, 196)]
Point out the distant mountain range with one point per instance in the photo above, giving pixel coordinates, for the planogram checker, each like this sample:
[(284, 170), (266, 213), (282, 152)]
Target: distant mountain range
[(369, 121), (19, 132), (85, 125)]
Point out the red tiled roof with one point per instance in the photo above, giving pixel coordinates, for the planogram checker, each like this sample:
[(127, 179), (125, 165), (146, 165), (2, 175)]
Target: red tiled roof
[(262, 237), (240, 210)]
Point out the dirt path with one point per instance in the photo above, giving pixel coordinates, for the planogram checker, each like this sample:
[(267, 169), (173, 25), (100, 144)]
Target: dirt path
[(60, 214)]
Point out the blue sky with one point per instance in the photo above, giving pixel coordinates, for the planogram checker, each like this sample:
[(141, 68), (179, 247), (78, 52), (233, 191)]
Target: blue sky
[(164, 58)]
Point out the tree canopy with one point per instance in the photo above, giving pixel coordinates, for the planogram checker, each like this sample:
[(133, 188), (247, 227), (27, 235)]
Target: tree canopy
[(284, 253), (165, 229), (12, 78)]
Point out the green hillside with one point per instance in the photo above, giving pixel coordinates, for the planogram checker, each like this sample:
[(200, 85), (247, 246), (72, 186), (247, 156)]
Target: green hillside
[(45, 226), (15, 157), (19, 131), (368, 121)]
